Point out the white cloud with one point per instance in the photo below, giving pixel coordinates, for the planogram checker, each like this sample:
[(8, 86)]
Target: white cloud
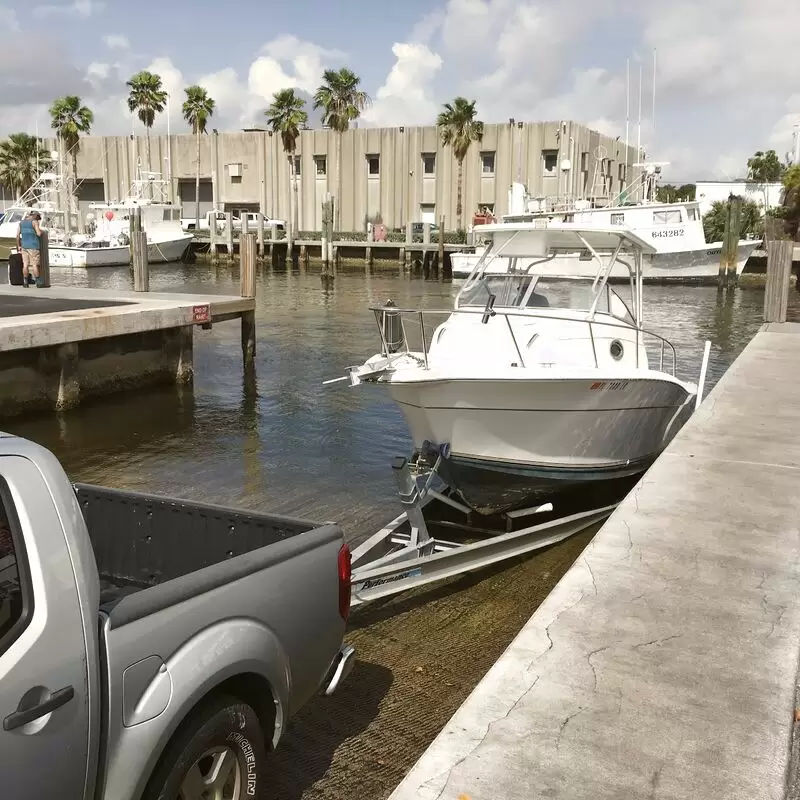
[(406, 98), (116, 42), (8, 20), (78, 8)]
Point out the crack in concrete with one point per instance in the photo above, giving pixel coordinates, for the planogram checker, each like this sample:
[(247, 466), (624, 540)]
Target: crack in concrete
[(565, 723), (589, 658), (588, 566), (461, 760), (657, 641)]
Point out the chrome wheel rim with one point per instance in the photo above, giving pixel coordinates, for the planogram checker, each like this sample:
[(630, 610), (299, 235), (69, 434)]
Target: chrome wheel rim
[(216, 775)]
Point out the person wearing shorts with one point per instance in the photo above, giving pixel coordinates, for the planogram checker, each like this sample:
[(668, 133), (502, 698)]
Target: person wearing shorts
[(28, 244)]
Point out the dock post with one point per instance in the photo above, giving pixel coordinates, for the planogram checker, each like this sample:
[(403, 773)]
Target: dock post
[(730, 243), (248, 339), (261, 237), (326, 232), (779, 271), (303, 256), (447, 267), (426, 233), (229, 233), (247, 258), (245, 225), (44, 260), (141, 271)]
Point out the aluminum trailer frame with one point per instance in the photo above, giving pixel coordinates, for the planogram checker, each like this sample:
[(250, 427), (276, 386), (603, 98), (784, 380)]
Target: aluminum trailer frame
[(404, 555)]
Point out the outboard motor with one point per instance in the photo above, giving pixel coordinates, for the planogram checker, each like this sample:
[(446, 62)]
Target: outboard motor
[(392, 329)]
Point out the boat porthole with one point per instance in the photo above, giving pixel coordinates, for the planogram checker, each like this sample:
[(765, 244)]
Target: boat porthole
[(616, 349)]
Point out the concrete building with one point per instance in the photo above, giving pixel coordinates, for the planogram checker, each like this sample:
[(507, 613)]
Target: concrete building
[(395, 174), (769, 195)]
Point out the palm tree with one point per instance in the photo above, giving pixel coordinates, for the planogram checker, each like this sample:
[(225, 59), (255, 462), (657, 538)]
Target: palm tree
[(146, 99), (197, 108), (341, 102), (286, 116), (69, 120), (459, 129), (22, 159)]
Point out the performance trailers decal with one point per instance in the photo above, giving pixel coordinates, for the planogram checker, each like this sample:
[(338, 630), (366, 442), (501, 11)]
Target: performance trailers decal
[(608, 386)]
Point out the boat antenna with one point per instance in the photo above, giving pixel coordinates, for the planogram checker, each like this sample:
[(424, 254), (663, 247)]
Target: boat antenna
[(654, 98), (628, 104), (639, 126)]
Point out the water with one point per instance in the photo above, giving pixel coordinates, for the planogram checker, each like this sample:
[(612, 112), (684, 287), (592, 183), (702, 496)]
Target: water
[(297, 447)]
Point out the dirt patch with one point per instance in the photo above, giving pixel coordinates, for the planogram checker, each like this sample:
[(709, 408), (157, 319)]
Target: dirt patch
[(419, 657)]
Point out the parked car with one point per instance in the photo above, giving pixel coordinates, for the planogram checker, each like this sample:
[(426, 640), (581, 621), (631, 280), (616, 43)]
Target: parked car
[(220, 220), (153, 647)]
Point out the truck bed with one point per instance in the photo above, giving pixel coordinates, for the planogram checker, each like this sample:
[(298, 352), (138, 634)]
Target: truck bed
[(143, 540)]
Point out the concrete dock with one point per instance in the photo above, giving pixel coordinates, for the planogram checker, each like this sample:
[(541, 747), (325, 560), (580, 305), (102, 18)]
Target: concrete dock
[(61, 345), (664, 664)]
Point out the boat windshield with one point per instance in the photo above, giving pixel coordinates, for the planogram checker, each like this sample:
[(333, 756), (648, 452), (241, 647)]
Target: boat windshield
[(537, 291)]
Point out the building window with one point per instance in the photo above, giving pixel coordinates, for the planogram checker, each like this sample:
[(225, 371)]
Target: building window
[(584, 162), (622, 176), (617, 219), (487, 163), (297, 165), (549, 163), (374, 165), (666, 217), (429, 163), (321, 164)]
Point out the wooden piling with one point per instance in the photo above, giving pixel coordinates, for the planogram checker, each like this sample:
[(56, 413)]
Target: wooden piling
[(229, 233), (247, 258), (440, 252), (44, 260), (426, 233), (730, 243), (141, 266), (779, 271), (326, 233), (245, 224)]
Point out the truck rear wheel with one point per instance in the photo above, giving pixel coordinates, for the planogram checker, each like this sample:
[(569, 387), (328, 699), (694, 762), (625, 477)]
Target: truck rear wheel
[(218, 754)]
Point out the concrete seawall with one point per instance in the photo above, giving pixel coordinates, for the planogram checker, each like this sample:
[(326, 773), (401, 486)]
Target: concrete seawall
[(664, 664)]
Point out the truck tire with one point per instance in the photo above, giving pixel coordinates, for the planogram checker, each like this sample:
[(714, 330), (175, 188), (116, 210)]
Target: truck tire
[(218, 752)]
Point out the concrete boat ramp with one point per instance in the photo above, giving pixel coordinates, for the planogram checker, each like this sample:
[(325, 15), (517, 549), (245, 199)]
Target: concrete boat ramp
[(664, 664), (61, 345)]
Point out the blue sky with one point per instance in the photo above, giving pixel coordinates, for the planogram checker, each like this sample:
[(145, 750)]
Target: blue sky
[(728, 79)]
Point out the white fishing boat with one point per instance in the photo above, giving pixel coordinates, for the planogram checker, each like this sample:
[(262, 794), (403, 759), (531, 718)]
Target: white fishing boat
[(536, 382), (105, 238), (675, 230)]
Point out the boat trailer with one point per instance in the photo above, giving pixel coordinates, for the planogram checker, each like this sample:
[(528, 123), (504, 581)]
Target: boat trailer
[(404, 554)]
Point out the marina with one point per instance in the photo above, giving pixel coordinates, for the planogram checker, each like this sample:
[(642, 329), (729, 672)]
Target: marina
[(281, 444)]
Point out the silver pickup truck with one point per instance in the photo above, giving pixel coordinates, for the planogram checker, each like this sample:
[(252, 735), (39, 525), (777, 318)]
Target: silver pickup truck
[(150, 647)]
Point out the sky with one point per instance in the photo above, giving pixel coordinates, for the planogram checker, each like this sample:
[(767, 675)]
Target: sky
[(727, 73)]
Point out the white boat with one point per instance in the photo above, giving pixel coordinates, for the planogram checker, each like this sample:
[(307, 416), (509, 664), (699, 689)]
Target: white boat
[(675, 231), (105, 241), (536, 382)]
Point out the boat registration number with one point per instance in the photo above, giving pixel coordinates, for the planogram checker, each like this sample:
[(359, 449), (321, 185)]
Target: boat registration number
[(670, 232), (608, 386)]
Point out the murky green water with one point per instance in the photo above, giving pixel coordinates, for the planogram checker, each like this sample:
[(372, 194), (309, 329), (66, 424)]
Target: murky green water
[(299, 447)]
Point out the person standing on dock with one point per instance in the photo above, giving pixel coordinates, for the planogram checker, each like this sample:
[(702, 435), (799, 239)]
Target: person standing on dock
[(28, 243)]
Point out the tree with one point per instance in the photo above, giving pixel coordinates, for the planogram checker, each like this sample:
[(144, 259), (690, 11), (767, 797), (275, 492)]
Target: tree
[(764, 167), (146, 99), (459, 129), (342, 102), (197, 109), (752, 223), (790, 207), (69, 120), (672, 194), (286, 116), (22, 159)]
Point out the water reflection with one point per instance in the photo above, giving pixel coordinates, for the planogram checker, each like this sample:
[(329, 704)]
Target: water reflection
[(276, 439)]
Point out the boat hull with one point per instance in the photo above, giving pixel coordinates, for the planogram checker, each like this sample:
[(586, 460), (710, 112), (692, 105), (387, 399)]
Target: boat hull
[(699, 266), (515, 442), (88, 257)]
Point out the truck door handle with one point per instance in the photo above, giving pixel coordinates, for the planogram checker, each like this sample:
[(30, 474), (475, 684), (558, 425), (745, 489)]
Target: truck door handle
[(56, 700)]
